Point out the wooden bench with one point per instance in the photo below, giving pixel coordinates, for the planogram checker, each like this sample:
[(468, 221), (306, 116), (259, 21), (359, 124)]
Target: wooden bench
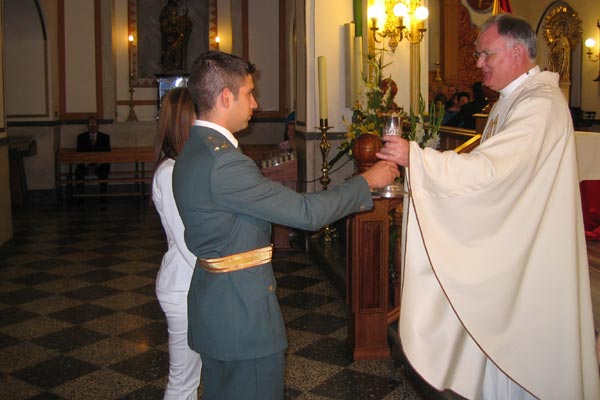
[(139, 176)]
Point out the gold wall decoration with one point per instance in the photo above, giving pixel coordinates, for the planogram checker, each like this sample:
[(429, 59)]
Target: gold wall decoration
[(562, 31)]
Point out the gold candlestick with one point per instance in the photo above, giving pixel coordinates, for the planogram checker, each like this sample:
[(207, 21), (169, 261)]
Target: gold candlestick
[(328, 234), (131, 117), (325, 146), (438, 72)]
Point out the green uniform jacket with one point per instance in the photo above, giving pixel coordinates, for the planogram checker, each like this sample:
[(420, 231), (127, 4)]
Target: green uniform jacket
[(227, 206)]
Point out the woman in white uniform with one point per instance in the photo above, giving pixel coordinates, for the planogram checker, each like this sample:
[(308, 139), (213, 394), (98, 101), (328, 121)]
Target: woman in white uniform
[(173, 280)]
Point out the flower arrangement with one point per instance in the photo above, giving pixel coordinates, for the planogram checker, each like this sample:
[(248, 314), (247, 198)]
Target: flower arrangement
[(376, 101), (426, 134)]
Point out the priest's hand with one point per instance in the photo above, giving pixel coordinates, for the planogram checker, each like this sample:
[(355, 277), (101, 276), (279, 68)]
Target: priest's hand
[(382, 173), (395, 150)]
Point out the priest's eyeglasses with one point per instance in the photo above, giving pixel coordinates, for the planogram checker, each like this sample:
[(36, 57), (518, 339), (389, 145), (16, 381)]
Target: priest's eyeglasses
[(485, 54)]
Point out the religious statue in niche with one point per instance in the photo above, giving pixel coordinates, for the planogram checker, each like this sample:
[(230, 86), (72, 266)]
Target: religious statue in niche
[(559, 57), (175, 29), (562, 30)]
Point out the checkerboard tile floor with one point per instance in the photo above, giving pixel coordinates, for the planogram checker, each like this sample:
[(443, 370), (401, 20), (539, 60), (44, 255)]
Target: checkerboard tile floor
[(79, 318)]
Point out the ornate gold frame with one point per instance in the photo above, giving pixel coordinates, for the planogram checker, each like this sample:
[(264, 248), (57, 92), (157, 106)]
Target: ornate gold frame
[(132, 24)]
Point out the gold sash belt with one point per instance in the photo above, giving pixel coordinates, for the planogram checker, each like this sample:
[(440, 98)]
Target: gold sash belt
[(236, 262)]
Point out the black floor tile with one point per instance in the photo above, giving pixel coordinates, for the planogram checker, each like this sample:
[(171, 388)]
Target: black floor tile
[(150, 310), (291, 393), (81, 313), (99, 275), (112, 249), (148, 290), (13, 315), (353, 385), (305, 301), (69, 339), (119, 238), (22, 296), (46, 396), (317, 323), (149, 366), (46, 264), (153, 334), (58, 251), (154, 259), (90, 293), (329, 350), (54, 372), (150, 273), (74, 230), (146, 393), (286, 266), (296, 282), (61, 241), (7, 341), (35, 278), (107, 261)]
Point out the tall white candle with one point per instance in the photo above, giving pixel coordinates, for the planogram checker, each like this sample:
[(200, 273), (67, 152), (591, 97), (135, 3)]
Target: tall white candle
[(358, 65), (129, 49), (322, 69), (437, 47)]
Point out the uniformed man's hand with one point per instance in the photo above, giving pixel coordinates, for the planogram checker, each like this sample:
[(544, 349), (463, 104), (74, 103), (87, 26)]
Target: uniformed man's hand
[(395, 149), (381, 174)]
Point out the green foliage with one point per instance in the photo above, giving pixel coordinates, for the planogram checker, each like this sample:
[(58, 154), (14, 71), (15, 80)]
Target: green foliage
[(426, 134)]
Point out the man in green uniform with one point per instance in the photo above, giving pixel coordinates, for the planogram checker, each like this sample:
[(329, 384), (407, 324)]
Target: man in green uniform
[(227, 207)]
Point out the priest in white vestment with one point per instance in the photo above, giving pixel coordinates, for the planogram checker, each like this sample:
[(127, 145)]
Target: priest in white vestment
[(496, 299)]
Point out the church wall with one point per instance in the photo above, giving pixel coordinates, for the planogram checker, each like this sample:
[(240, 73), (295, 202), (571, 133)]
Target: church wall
[(80, 62), (6, 232), (324, 24), (25, 50), (49, 13)]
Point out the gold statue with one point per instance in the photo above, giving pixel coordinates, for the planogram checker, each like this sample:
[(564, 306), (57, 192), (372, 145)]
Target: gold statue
[(559, 58), (562, 31)]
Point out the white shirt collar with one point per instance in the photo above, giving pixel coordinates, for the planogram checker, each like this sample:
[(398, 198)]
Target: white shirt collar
[(223, 131), (507, 91)]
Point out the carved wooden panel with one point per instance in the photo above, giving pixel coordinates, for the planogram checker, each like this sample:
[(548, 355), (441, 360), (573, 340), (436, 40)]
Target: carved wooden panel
[(468, 73), (371, 274), (459, 34)]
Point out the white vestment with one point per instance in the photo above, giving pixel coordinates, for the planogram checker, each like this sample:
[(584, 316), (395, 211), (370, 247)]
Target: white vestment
[(496, 262)]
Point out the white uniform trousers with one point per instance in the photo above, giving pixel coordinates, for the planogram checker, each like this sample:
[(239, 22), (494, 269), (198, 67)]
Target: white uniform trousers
[(498, 386), (185, 364)]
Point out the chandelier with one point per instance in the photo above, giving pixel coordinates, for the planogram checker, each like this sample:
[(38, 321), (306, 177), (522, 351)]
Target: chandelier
[(396, 20)]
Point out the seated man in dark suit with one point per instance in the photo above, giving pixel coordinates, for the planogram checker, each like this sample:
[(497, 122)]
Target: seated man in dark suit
[(465, 117), (459, 100), (92, 140)]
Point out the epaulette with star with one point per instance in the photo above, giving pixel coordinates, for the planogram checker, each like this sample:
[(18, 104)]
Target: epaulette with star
[(216, 143)]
